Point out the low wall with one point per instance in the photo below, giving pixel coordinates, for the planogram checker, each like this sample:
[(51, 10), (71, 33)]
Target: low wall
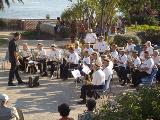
[(23, 24)]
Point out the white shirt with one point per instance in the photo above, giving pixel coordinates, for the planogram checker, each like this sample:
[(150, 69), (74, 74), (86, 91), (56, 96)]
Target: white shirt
[(142, 55), (136, 62), (156, 60), (26, 53), (131, 47), (54, 55), (108, 71), (123, 59), (101, 46), (42, 53), (73, 58), (149, 63), (89, 50), (98, 77), (78, 50), (86, 60), (90, 38), (114, 55), (150, 50)]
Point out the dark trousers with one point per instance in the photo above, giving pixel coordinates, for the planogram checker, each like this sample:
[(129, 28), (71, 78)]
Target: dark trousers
[(51, 63), (122, 72), (42, 65), (14, 71), (141, 75), (87, 90), (135, 78), (158, 75)]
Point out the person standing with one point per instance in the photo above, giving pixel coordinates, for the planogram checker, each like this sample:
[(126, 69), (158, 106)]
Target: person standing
[(13, 59)]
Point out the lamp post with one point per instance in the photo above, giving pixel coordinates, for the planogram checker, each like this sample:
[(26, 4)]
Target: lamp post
[(102, 17)]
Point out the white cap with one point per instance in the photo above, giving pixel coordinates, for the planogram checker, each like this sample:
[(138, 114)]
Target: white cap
[(4, 97)]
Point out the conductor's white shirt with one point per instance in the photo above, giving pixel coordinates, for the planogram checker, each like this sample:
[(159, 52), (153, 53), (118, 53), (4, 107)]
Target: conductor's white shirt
[(98, 77), (74, 58), (90, 38)]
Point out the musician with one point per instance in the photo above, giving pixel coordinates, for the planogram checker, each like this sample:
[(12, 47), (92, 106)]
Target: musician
[(156, 59), (71, 62), (101, 45), (98, 82), (134, 65), (25, 56), (107, 69), (41, 59), (53, 57), (144, 48), (90, 37), (130, 46), (122, 63), (77, 48), (88, 48), (86, 59), (145, 68), (149, 47)]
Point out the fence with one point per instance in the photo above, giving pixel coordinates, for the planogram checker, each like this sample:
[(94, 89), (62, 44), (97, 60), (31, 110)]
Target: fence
[(23, 24)]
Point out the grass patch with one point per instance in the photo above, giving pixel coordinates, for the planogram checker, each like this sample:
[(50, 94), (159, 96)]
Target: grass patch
[(3, 41), (140, 28)]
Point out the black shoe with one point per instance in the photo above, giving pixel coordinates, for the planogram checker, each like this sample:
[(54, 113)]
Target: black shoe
[(44, 74), (11, 84), (82, 102), (123, 84), (22, 83)]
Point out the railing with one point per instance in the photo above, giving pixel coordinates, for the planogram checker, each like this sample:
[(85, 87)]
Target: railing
[(23, 24)]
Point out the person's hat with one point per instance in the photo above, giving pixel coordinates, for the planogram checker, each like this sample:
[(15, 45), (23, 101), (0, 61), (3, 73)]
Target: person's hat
[(4, 97), (53, 45)]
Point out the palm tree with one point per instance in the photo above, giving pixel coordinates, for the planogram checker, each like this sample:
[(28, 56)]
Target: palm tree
[(7, 2)]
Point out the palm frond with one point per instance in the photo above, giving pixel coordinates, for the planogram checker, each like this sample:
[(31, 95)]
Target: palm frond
[(7, 2)]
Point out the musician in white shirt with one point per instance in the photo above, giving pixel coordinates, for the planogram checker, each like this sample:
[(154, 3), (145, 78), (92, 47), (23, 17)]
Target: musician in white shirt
[(144, 48), (90, 37), (77, 48), (98, 82), (86, 59), (25, 55), (130, 46), (101, 45), (134, 65), (53, 58), (41, 59), (88, 48), (122, 63), (107, 69), (146, 67), (149, 48)]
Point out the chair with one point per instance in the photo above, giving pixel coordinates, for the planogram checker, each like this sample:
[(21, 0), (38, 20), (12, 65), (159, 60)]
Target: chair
[(106, 89), (149, 80)]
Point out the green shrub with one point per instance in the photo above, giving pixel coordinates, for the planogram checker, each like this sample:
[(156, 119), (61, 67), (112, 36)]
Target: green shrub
[(140, 28), (141, 105), (150, 35), (121, 40)]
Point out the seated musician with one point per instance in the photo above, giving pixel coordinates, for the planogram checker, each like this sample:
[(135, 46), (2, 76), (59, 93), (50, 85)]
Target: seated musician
[(145, 68), (71, 62), (122, 64), (101, 45), (53, 57), (98, 82), (107, 69), (41, 59), (25, 55), (86, 59), (88, 48), (130, 46), (134, 64), (144, 48), (156, 59), (77, 48)]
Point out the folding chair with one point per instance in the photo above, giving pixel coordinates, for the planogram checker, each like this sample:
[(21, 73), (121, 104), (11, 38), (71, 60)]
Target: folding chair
[(149, 80)]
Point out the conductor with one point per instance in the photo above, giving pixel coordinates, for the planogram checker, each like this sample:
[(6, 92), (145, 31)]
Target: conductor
[(13, 59)]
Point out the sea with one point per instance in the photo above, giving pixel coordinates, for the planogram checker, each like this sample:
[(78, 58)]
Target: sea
[(35, 9)]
